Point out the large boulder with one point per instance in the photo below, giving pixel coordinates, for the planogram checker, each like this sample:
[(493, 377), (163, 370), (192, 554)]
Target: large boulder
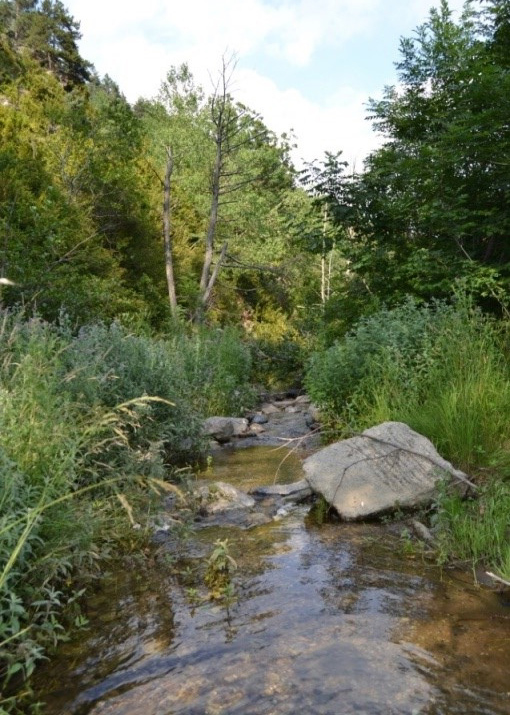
[(387, 466)]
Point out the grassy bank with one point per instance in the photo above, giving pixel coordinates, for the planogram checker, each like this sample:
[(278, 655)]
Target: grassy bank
[(443, 369), (88, 421)]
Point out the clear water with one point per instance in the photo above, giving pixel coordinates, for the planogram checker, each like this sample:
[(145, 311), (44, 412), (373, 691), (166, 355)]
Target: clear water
[(328, 619)]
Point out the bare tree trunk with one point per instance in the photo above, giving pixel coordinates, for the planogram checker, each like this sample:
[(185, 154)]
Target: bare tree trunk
[(167, 234), (213, 219), (212, 280), (222, 118), (324, 289), (330, 269), (323, 279)]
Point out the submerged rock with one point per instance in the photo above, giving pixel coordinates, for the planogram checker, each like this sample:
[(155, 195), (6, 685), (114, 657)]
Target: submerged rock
[(385, 467), (295, 492), (220, 496)]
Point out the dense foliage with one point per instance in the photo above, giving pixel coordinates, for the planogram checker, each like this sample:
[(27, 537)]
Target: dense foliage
[(82, 202), (431, 205)]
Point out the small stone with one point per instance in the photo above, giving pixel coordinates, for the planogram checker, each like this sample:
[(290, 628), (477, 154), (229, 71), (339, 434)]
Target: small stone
[(269, 409), (259, 419), (303, 400)]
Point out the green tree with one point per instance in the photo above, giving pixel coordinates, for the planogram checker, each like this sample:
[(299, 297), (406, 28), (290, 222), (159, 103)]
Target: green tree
[(50, 35), (223, 174), (432, 203)]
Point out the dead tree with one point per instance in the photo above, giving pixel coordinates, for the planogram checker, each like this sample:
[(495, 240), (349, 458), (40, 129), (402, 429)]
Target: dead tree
[(224, 120), (167, 233)]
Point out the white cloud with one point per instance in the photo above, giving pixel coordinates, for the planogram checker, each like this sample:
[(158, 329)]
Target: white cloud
[(338, 124), (137, 42), (294, 29)]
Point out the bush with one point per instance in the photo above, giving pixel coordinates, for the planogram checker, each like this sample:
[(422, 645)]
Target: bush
[(439, 368), (388, 336), (85, 418)]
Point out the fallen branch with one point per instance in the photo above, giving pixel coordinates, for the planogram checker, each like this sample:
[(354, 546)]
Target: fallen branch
[(497, 578)]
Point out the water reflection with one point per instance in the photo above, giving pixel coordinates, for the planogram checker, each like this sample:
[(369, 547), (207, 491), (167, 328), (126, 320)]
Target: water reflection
[(330, 619)]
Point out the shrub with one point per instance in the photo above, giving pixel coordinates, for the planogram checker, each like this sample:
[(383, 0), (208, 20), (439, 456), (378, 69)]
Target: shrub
[(439, 368), (84, 418), (388, 336)]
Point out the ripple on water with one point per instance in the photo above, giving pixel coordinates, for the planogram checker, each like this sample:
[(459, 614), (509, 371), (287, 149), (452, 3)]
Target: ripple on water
[(328, 620)]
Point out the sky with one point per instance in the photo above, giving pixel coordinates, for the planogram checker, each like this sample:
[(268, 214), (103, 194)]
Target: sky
[(309, 66)]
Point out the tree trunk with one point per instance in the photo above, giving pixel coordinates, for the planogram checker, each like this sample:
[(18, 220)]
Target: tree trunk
[(213, 220), (167, 234)]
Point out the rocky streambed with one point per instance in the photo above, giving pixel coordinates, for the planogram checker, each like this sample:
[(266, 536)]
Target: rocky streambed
[(323, 616)]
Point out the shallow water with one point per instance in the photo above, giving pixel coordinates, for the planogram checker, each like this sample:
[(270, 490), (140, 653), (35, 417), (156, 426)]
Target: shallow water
[(328, 619)]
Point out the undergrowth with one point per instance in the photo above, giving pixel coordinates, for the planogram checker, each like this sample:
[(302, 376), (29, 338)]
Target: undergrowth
[(88, 421), (442, 369)]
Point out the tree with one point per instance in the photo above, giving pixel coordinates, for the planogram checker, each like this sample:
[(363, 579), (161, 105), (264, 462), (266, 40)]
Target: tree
[(222, 173), (46, 30), (432, 203)]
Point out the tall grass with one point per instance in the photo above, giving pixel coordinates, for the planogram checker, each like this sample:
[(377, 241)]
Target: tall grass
[(477, 531), (455, 390), (83, 418), (443, 370)]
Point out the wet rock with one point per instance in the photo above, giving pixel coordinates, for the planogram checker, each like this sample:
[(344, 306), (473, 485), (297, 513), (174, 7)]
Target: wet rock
[(387, 466), (313, 414), (269, 409), (256, 429), (295, 492), (282, 404), (423, 532), (220, 497), (257, 518), (240, 425), (303, 400), (222, 429)]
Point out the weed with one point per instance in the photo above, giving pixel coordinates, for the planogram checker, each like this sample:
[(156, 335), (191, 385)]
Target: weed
[(220, 567)]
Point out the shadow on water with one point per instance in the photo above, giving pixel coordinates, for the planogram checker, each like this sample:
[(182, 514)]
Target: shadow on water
[(329, 619)]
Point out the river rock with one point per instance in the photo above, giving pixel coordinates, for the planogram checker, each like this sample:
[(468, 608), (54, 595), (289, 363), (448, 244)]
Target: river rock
[(269, 409), (294, 492), (222, 429), (220, 496), (221, 504), (303, 400), (313, 413), (387, 466), (259, 419)]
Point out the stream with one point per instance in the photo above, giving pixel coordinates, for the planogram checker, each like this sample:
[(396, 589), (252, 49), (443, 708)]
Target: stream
[(328, 618)]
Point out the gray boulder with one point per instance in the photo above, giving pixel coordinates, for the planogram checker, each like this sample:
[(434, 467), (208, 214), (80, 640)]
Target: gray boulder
[(220, 497), (387, 466), (222, 429)]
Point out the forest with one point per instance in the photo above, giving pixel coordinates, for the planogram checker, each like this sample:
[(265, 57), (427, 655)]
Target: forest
[(165, 261)]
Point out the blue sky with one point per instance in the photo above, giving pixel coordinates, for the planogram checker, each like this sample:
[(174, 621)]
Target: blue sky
[(306, 65)]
